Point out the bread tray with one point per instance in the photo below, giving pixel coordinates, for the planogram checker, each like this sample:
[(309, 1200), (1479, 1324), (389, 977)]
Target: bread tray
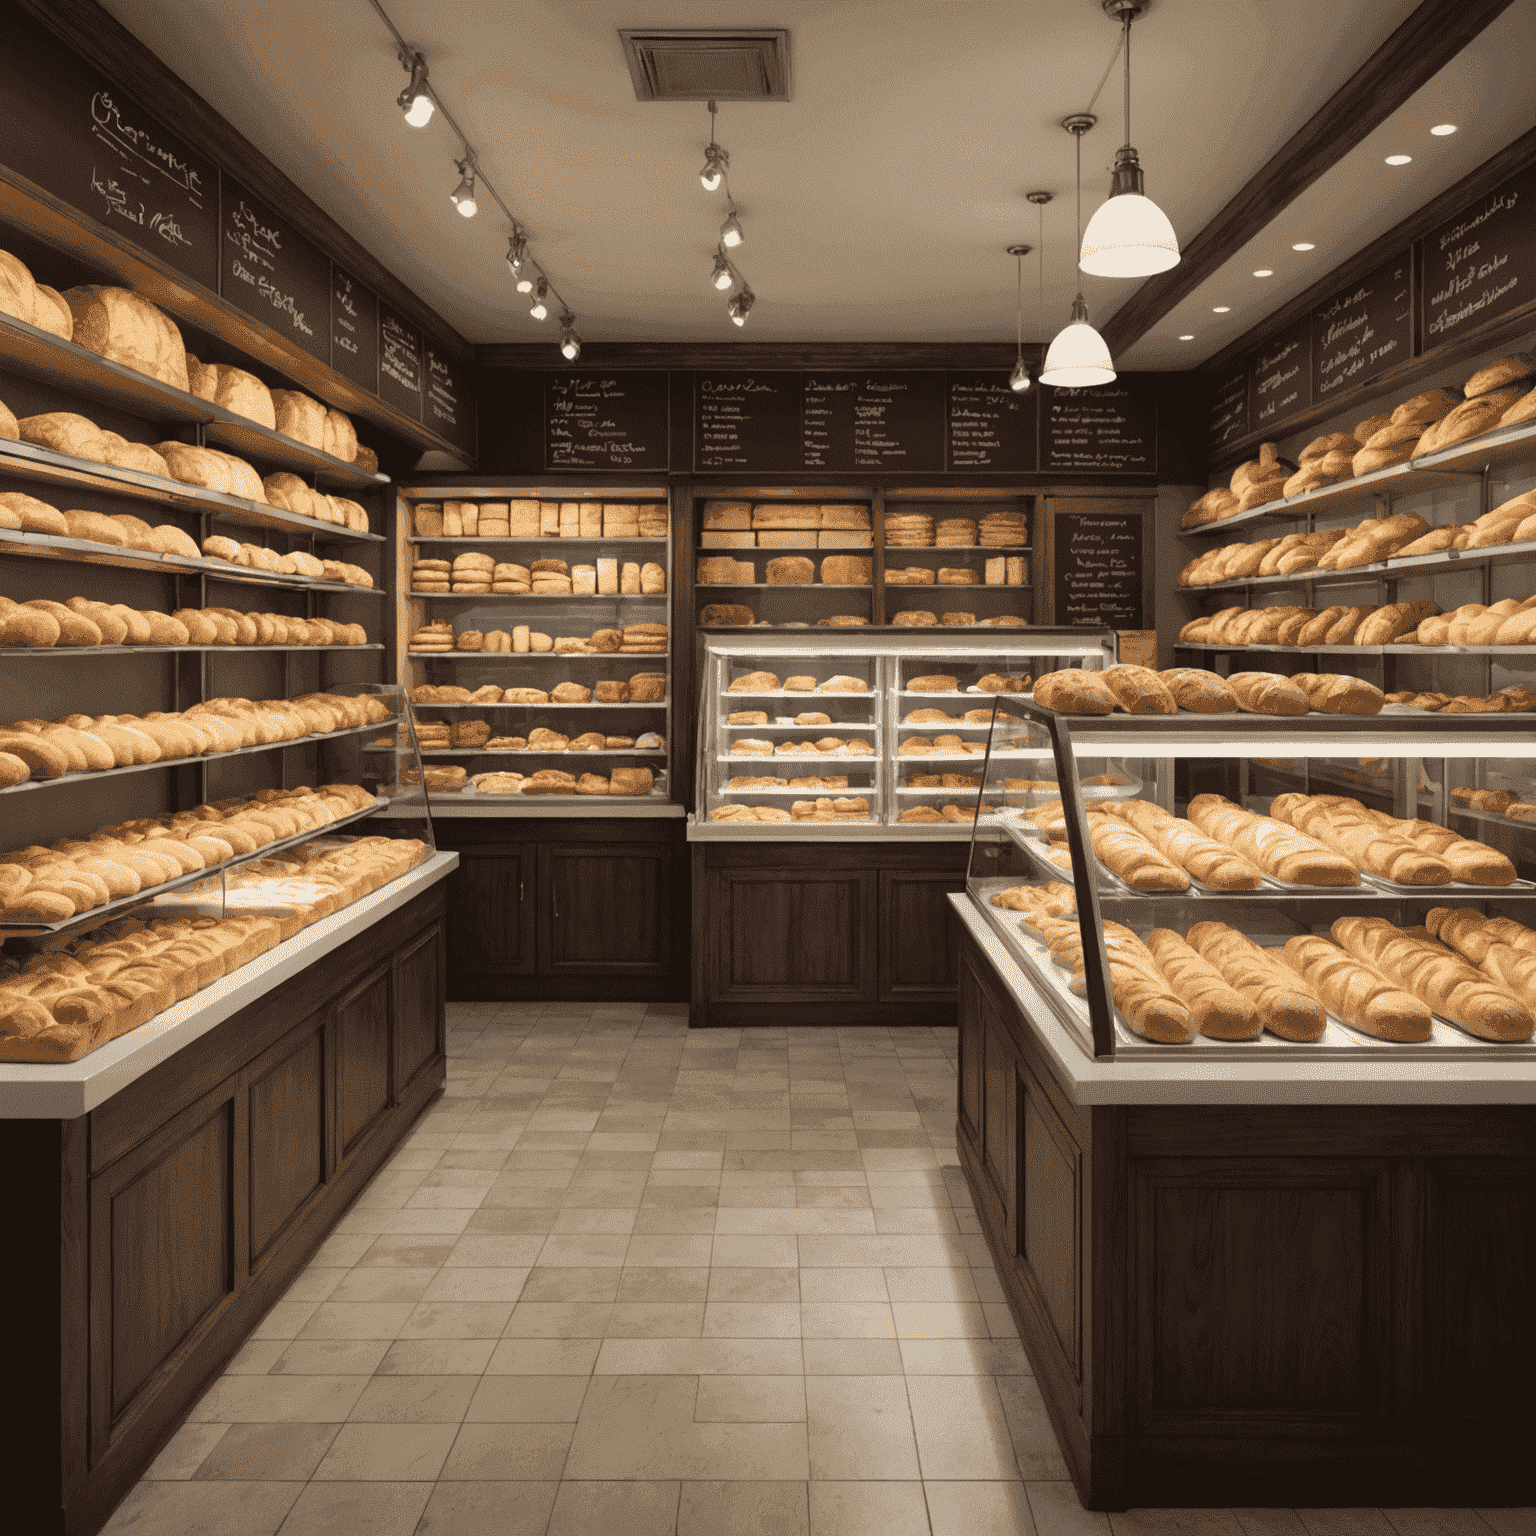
[(1454, 888)]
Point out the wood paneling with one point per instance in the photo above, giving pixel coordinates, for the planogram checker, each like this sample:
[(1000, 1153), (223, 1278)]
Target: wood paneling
[(605, 910), (795, 934), (1050, 1208), (362, 1059), (999, 1118), (917, 940), (972, 1045), (288, 1132), (419, 1009), (491, 909)]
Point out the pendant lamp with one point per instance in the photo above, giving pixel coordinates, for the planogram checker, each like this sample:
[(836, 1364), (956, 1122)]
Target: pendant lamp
[(1078, 357), (1019, 380), (1129, 236)]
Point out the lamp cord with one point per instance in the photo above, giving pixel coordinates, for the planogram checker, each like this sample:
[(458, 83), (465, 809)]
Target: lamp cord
[(1040, 317), (1127, 77), (1018, 313)]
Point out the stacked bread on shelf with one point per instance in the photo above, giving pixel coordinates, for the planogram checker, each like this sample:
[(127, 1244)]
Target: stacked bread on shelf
[(1503, 394), (51, 749), (626, 782), (1141, 691), (632, 640), (768, 682), (259, 557), (478, 736), (82, 621), (784, 525), (539, 519), (75, 996), (638, 688), (1510, 621), (476, 573)]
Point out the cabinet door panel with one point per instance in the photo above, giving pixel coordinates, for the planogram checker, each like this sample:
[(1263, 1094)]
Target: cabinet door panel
[(969, 1086), (362, 1059), (606, 908), (1050, 1218), (917, 942), (999, 1111), (287, 1134), (417, 1011), (491, 910)]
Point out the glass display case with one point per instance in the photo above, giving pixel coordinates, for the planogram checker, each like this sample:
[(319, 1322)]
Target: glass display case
[(852, 736), (1249, 887)]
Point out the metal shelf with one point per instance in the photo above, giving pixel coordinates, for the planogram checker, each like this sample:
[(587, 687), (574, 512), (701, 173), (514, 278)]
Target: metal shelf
[(545, 597), (504, 704), (29, 462), (1359, 575), (537, 655), (550, 540), (85, 376), (87, 776), (11, 653)]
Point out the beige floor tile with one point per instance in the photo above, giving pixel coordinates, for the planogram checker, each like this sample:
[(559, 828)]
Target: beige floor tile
[(642, 1426), (544, 1357), (608, 1222), (405, 1282), (868, 1509), (507, 1452), (1271, 1522), (317, 1285), (842, 1285), (672, 1285), (356, 1320), (729, 1284), (203, 1509), (387, 1453), (699, 1357), (268, 1453), (456, 1320), (931, 1285), (571, 1284), (359, 1509), (750, 1400), (526, 1400), (278, 1399), (414, 1400), (559, 1320), (477, 1252), (978, 1509), (185, 1452), (436, 1357), (752, 1320), (964, 1357), (257, 1356), (1186, 1522), (411, 1252), (1029, 1426), (584, 1251), (488, 1509), (749, 1221), (680, 1221), (1057, 1512), (1344, 1522), (887, 1252), (667, 1252), (961, 1428), (285, 1320), (859, 1427), (755, 1253), (852, 1357), (940, 1320), (610, 1508), (1436, 1522), (847, 1320), (1511, 1522), (657, 1320), (743, 1509), (478, 1285)]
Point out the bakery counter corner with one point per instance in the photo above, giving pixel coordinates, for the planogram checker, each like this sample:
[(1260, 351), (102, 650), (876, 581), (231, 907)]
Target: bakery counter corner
[(180, 1176)]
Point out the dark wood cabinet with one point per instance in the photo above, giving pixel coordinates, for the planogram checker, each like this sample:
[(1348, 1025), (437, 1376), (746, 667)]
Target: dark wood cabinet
[(492, 929), (917, 948), (789, 936), (362, 1058), (289, 1147), (1262, 1304), (605, 910), (419, 980)]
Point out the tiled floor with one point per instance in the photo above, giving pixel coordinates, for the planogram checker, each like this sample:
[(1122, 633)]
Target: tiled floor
[(624, 1280)]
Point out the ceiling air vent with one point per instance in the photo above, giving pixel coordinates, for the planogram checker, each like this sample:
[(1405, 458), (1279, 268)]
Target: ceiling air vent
[(723, 63)]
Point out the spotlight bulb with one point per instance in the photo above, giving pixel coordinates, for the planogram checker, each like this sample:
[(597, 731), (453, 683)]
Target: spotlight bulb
[(715, 162), (570, 342), (721, 277), (463, 195), (517, 254), (539, 309), (741, 306), (414, 101), (731, 232), (1018, 380)]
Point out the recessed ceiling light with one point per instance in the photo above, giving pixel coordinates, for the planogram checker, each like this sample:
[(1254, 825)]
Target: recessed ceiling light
[(1221, 309), (1304, 245), (1263, 272), (1440, 130), (1399, 159), (1186, 338)]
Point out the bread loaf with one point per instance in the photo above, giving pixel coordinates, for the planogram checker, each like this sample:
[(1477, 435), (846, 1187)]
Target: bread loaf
[(1200, 692), (126, 328), (1220, 1011), (1140, 690), (1140, 992), (791, 571), (1345, 826), (1358, 993), (1075, 691), (1385, 625), (1123, 851), (1212, 863), (843, 570), (1277, 849), (1267, 693), (1331, 693), (1282, 998), (1470, 862)]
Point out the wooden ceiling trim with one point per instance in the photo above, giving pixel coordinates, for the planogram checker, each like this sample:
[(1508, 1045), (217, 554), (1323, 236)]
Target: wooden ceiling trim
[(1428, 40), (761, 355)]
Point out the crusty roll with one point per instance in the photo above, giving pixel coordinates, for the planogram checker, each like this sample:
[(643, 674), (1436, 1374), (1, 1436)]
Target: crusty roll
[(1219, 1010), (1279, 850), (1284, 1001)]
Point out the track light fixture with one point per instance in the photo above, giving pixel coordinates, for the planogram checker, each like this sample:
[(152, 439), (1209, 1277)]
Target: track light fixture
[(414, 101), (539, 309), (517, 252), (740, 305), (722, 276), (570, 342), (715, 158), (463, 196), (1129, 235), (731, 232), (1078, 357), (1018, 380)]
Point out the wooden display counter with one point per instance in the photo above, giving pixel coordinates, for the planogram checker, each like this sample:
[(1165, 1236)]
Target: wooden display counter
[(1305, 1283), (164, 1192)]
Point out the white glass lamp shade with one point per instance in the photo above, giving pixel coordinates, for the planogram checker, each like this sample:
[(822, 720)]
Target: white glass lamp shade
[(1078, 357), (1129, 235)]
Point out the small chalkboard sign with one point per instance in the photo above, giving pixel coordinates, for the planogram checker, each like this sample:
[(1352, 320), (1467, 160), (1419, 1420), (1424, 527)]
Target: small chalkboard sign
[(1280, 378), (990, 426), (76, 135), (882, 422), (400, 363), (354, 330), (272, 272), (1109, 429), (612, 421), (1098, 569), (448, 407), (1481, 264), (748, 422), (1229, 408), (1363, 330)]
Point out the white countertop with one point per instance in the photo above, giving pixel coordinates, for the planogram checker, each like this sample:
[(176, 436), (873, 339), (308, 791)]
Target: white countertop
[(64, 1090), (1349, 1079)]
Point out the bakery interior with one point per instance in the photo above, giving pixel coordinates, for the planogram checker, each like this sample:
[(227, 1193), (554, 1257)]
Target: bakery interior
[(1096, 1102)]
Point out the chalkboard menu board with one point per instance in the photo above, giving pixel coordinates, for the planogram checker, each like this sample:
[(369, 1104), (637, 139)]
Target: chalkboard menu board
[(750, 421), (77, 136), (1280, 378), (1229, 409), (400, 363), (354, 330), (1481, 264), (881, 422), (1363, 330), (448, 408), (1098, 560), (990, 426), (272, 273), (606, 421), (1110, 429)]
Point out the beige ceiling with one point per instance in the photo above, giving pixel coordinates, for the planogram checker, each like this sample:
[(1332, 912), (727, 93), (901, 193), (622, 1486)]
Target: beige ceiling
[(877, 202)]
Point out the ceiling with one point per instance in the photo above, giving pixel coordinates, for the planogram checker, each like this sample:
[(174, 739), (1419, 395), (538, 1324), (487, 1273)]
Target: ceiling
[(879, 200)]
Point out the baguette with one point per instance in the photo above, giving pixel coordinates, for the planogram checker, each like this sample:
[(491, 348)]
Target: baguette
[(1219, 1011), (1277, 849), (1212, 863), (1283, 1000), (1470, 862), (1386, 624), (1150, 1007), (1125, 852), (1438, 976), (1345, 826), (1331, 693), (1357, 992)]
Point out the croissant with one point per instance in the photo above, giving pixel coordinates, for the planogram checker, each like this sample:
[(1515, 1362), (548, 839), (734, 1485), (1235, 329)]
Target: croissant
[(1210, 862), (1436, 975), (1358, 993), (1125, 852), (1345, 826), (1219, 1011), (1278, 849), (1283, 999)]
